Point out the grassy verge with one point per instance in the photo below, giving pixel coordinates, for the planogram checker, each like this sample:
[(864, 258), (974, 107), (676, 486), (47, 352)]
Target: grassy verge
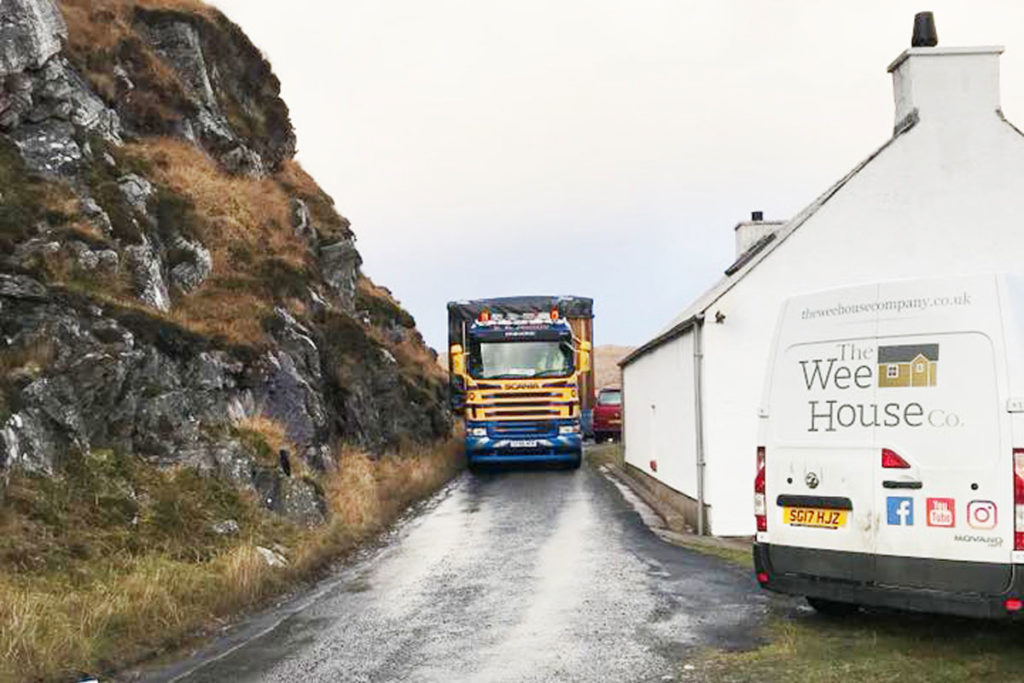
[(873, 646), (608, 453), (112, 560), (712, 546)]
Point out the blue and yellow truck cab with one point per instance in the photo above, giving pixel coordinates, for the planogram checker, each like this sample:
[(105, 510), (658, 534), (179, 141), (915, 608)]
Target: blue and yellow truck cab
[(520, 371)]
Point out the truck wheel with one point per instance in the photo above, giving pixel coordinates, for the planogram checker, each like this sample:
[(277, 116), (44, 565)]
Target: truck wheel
[(832, 608), (575, 463)]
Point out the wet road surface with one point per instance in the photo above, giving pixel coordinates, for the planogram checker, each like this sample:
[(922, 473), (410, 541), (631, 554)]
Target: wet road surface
[(505, 576)]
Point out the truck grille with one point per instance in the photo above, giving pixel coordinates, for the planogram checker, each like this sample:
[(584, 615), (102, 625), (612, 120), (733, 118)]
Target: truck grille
[(523, 400), (517, 430)]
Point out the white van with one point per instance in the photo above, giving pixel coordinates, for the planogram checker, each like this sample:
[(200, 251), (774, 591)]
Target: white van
[(891, 464)]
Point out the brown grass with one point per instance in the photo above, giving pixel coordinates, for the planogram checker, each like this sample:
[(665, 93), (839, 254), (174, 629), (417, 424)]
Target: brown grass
[(366, 494), (124, 600), (246, 225), (234, 208), (99, 29), (414, 356)]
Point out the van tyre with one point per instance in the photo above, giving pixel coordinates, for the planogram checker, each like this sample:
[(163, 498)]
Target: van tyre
[(832, 608), (575, 463)]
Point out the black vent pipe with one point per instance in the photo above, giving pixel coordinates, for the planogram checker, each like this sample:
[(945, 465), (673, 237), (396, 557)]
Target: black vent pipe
[(925, 34)]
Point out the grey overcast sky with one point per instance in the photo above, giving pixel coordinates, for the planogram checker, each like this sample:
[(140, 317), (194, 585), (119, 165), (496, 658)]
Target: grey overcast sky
[(603, 148)]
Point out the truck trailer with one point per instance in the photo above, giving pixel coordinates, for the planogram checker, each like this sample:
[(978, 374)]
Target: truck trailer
[(520, 372)]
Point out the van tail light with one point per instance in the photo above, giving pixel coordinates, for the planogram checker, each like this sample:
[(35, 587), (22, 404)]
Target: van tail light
[(893, 460), (1018, 498), (760, 506)]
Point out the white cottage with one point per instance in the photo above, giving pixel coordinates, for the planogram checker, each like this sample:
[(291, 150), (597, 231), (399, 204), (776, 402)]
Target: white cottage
[(945, 195)]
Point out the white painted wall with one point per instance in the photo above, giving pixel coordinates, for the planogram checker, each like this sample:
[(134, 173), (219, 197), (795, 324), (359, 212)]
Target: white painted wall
[(666, 432), (945, 198)]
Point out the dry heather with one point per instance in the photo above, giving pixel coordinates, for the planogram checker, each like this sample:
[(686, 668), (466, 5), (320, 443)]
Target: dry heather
[(91, 581)]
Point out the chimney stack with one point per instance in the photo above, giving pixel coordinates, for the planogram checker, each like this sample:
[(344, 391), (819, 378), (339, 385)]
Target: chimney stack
[(947, 85), (749, 233)]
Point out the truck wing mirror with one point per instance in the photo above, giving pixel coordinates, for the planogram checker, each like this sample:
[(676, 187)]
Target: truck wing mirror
[(458, 360), (584, 363)]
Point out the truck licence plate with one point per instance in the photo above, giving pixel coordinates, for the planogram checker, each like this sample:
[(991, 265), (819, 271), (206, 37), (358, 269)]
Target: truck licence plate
[(523, 444), (821, 518)]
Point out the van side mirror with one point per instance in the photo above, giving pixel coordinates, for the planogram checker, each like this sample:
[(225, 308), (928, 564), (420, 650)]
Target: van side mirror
[(457, 359), (584, 362)]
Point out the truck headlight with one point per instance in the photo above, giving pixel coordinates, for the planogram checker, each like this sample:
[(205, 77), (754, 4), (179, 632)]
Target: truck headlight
[(478, 431), (569, 429)]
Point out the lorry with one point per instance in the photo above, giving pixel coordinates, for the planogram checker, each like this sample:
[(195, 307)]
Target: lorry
[(890, 464), (520, 372)]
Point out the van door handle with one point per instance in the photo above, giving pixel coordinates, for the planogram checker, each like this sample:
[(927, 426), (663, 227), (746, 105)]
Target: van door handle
[(890, 484)]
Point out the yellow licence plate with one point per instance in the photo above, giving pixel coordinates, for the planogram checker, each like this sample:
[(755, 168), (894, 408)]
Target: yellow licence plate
[(817, 517)]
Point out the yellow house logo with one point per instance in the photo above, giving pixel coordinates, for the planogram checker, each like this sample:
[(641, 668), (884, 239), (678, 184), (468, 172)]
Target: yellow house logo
[(912, 365)]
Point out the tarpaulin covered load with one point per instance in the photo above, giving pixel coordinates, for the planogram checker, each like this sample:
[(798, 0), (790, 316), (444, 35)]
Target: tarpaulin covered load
[(461, 314)]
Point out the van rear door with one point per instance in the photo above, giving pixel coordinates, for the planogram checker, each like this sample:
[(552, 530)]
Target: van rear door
[(943, 491), (820, 452)]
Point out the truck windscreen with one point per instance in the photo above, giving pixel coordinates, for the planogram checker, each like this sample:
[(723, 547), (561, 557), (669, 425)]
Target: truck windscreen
[(520, 359)]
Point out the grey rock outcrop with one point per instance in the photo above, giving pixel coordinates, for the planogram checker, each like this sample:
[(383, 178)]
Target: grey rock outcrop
[(193, 266), (339, 263), (217, 64), (43, 101), (31, 31), (150, 285), (136, 190), (228, 527)]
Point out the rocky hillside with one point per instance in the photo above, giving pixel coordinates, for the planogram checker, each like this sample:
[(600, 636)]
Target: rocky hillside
[(606, 364), (172, 284)]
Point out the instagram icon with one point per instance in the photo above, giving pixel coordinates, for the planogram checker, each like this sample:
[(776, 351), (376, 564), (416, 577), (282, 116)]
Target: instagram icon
[(981, 514)]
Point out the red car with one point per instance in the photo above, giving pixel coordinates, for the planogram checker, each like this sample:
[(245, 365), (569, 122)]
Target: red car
[(608, 415)]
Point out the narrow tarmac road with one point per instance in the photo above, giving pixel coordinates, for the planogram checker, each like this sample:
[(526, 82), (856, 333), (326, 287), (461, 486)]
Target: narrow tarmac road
[(505, 576)]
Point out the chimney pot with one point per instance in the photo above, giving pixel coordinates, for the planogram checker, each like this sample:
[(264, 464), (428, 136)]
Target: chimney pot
[(757, 216), (925, 34)]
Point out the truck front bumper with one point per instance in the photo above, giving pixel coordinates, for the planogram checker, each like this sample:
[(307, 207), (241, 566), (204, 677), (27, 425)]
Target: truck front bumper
[(806, 582), (545, 445)]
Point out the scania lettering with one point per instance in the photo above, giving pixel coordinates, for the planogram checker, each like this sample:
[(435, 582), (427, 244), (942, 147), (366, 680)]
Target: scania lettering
[(890, 463), (521, 373)]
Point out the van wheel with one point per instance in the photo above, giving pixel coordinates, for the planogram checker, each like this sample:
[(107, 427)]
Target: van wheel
[(575, 463), (832, 608)]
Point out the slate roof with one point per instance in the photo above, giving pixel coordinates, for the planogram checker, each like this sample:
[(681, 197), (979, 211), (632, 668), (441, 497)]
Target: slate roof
[(907, 353)]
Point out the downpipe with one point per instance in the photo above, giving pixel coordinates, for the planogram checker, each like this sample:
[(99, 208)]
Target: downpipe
[(698, 389)]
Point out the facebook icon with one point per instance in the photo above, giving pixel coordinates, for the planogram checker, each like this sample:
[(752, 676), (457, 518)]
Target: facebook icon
[(901, 511)]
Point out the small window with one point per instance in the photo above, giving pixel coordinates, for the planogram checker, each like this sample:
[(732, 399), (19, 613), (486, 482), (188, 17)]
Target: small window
[(919, 368), (609, 398), (892, 371)]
